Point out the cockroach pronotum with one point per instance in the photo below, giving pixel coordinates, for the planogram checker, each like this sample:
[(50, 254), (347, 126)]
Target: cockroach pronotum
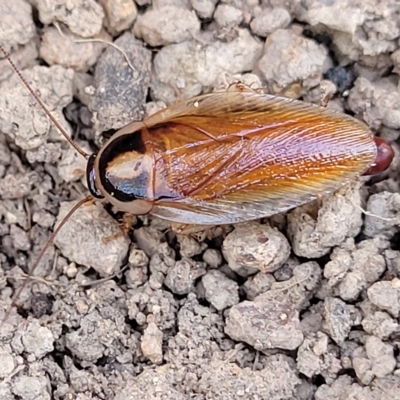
[(227, 157)]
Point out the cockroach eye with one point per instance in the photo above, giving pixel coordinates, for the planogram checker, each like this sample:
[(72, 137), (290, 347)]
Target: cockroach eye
[(90, 177)]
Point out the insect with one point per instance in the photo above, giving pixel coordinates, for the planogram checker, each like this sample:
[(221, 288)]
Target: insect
[(228, 157)]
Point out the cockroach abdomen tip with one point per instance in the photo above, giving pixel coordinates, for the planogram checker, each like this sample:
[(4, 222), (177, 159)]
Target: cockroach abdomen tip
[(384, 157)]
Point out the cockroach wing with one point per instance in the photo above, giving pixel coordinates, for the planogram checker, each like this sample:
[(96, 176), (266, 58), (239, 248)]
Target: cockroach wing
[(237, 156)]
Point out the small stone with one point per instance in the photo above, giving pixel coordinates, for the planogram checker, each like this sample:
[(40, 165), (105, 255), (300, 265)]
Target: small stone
[(83, 17), (213, 258), (72, 165), (315, 357), (383, 214), (220, 291), (258, 284), (75, 55), (337, 319), (16, 186), (265, 325), (138, 258), (385, 297), (189, 246), (376, 101), (20, 238), (150, 384), (343, 17), (290, 59), (38, 340), (270, 20), (148, 239), (21, 118), (276, 380), (82, 239), (182, 276), (317, 227), (192, 68), (116, 101), (6, 363), (297, 290), (253, 247), (151, 343), (88, 342), (354, 267), (45, 153), (17, 26), (204, 8), (120, 14), (71, 270), (166, 25), (378, 360), (380, 324), (31, 388), (227, 15), (362, 368)]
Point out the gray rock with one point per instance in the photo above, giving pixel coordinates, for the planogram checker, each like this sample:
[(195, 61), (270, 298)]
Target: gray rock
[(166, 25), (182, 276), (83, 17), (253, 247), (219, 290), (337, 321), (264, 325), (120, 91), (81, 239)]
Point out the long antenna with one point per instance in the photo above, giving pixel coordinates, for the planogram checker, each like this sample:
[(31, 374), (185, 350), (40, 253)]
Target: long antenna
[(44, 107), (41, 254)]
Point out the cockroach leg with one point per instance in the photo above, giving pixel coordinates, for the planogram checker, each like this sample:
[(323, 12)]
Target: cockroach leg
[(187, 229), (240, 87), (328, 90), (199, 232), (125, 226)]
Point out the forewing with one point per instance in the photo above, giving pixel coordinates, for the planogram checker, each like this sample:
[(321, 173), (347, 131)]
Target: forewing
[(235, 156)]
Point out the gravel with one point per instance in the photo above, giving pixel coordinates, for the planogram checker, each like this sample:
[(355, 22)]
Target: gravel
[(300, 306)]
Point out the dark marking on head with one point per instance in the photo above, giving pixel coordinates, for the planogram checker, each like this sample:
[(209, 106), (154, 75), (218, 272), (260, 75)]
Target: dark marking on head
[(125, 182), (90, 178)]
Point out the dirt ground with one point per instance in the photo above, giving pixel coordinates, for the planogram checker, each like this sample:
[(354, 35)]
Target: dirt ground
[(304, 305)]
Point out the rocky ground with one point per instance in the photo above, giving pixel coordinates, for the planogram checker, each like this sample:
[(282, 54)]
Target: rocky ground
[(301, 306)]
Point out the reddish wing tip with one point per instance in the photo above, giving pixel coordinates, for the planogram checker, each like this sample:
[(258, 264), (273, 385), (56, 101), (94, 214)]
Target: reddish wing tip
[(383, 158)]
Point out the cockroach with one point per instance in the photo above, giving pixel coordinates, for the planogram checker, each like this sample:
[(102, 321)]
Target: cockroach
[(227, 157)]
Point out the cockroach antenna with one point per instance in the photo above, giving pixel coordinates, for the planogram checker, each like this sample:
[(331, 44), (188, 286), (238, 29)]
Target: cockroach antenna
[(66, 218), (44, 107)]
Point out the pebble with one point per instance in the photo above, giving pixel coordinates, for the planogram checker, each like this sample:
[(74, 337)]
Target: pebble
[(219, 290), (183, 275), (265, 325), (166, 25), (337, 320), (296, 60), (253, 247), (82, 239), (120, 89), (119, 15), (270, 20), (151, 343), (83, 17), (385, 296)]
